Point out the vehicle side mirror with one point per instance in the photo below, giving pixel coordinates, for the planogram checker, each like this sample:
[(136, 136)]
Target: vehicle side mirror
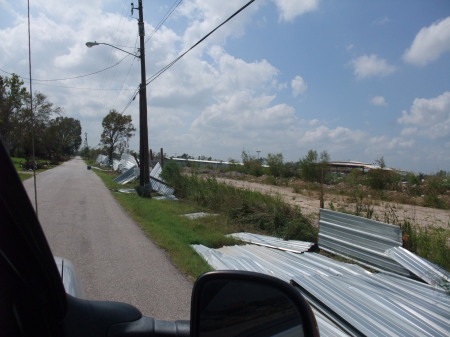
[(238, 303)]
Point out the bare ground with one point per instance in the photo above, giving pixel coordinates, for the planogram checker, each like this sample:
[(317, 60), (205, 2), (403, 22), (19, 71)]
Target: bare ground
[(382, 211)]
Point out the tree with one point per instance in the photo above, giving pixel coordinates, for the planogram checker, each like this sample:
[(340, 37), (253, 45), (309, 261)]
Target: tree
[(380, 162), (252, 165), (117, 130), (63, 137), (307, 166), (275, 162), (12, 98), (38, 123), (312, 165)]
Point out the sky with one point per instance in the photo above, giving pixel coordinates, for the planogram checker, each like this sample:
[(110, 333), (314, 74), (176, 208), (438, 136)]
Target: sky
[(360, 79)]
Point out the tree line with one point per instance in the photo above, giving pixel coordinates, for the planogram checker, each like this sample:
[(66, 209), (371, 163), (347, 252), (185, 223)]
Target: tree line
[(55, 136)]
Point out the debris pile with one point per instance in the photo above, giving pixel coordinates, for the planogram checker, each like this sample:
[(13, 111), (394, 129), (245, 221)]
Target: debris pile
[(409, 296)]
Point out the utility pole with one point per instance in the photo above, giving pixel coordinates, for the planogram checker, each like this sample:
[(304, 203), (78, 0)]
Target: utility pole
[(86, 149), (144, 172)]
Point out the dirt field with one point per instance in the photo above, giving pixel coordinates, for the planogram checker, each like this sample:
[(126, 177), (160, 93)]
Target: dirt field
[(383, 211)]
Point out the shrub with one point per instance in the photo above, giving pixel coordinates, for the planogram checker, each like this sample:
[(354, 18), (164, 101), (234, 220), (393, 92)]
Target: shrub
[(248, 210)]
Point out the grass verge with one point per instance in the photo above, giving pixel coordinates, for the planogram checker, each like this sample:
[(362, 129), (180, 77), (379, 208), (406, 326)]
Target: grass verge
[(27, 174), (236, 210), (164, 223)]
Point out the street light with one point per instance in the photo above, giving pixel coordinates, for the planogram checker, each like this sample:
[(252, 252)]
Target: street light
[(95, 43), (144, 170)]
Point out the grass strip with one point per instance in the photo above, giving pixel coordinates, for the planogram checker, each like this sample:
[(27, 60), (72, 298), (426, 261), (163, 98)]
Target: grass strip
[(164, 223)]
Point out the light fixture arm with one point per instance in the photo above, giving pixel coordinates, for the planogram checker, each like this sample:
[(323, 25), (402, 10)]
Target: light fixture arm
[(95, 43)]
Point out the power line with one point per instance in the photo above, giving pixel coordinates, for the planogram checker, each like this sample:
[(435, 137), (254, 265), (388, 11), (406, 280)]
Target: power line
[(164, 19), (79, 88), (68, 78), (160, 72), (130, 101)]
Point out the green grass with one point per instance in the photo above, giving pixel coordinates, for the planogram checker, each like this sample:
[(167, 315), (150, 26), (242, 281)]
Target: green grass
[(236, 211), (163, 222), (431, 243), (24, 176), (17, 163), (27, 174)]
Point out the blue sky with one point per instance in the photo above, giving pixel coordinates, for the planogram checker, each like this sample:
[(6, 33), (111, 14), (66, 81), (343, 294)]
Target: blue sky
[(360, 79)]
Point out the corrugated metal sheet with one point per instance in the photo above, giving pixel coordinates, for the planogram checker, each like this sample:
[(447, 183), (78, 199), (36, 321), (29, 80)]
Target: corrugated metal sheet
[(102, 160), (346, 297), (127, 161), (127, 190), (156, 171), (361, 306), (157, 183), (128, 176), (160, 187), (197, 215), (272, 242), (422, 268), (116, 164), (281, 264), (360, 239)]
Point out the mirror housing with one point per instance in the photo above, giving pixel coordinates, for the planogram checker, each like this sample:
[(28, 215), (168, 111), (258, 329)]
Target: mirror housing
[(241, 303)]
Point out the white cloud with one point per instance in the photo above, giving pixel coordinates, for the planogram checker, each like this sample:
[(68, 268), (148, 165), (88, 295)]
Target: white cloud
[(371, 66), (338, 135), (290, 9), (409, 131), (429, 44), (299, 86), (205, 15), (378, 100), (430, 117)]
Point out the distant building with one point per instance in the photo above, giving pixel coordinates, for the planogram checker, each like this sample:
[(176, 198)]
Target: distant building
[(202, 163), (348, 166)]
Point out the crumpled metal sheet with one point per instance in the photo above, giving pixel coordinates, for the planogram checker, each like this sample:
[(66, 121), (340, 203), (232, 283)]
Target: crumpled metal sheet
[(366, 306), (420, 267), (127, 176), (156, 182), (198, 215), (346, 298), (360, 239), (127, 161), (272, 242), (102, 160), (166, 197), (116, 164), (127, 190)]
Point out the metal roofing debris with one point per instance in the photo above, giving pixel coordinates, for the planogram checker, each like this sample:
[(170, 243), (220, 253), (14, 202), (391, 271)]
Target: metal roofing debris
[(102, 160), (164, 197), (366, 305), (197, 215), (127, 176), (126, 190), (157, 183), (115, 164), (422, 268), (271, 242), (161, 187), (360, 239), (127, 161), (344, 295), (132, 173), (281, 264), (100, 169)]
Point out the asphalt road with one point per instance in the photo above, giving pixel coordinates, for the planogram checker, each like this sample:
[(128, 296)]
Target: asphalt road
[(113, 257)]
